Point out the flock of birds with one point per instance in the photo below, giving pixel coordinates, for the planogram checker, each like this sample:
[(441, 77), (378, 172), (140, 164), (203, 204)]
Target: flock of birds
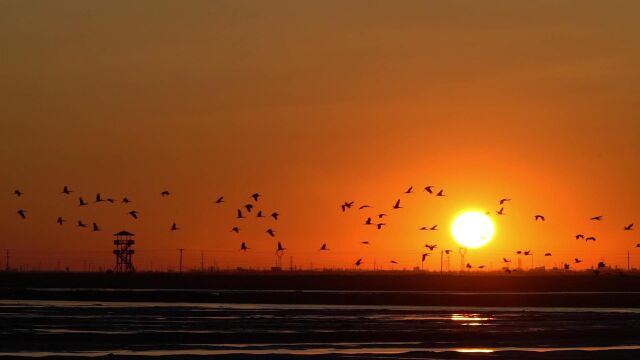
[(376, 221)]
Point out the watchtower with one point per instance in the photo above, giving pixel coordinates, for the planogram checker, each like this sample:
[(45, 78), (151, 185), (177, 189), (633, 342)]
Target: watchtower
[(123, 252)]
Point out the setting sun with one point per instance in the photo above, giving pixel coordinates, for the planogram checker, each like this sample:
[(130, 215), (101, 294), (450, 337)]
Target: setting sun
[(472, 229)]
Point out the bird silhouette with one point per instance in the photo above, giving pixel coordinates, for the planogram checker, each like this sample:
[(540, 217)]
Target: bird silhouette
[(134, 214), (346, 205), (380, 225), (508, 271), (259, 214), (567, 266), (364, 207), (249, 207), (547, 254), (424, 256), (280, 247), (243, 247), (256, 196), (358, 262), (239, 215), (590, 238), (60, 221), (505, 260), (629, 227), (597, 218), (429, 189), (110, 200), (324, 247), (174, 227), (482, 266), (577, 261), (397, 205), (519, 252), (95, 227), (601, 265), (66, 190), (441, 193), (638, 245), (98, 198), (409, 190), (165, 193), (17, 193), (271, 232), (365, 242), (275, 216), (22, 213), (393, 262), (81, 224), (220, 200), (448, 252), (82, 202), (528, 253), (125, 200), (368, 221), (579, 236), (539, 218), (424, 228), (434, 228), (431, 247), (380, 216), (236, 229), (502, 201), (469, 266), (500, 212)]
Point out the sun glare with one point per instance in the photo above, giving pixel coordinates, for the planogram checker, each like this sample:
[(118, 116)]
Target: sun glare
[(472, 229)]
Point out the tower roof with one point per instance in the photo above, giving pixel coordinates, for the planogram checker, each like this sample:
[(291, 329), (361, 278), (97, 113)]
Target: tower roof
[(123, 233)]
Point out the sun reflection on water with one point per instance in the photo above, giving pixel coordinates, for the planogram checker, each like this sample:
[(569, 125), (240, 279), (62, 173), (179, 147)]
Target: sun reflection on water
[(470, 319)]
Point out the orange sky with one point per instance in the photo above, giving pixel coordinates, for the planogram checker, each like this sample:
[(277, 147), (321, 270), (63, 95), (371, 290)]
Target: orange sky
[(312, 104)]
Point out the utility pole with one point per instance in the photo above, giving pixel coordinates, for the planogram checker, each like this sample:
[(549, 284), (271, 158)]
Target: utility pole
[(181, 251), (628, 261), (441, 255), (202, 261), (8, 268)]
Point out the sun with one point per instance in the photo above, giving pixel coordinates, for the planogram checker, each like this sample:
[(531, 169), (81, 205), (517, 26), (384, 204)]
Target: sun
[(472, 229)]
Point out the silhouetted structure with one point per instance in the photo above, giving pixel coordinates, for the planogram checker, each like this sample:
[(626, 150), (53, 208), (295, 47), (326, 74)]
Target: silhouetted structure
[(123, 252)]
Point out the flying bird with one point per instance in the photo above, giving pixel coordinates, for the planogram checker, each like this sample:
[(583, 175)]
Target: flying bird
[(95, 227), (275, 216), (409, 190), (547, 254), (567, 266), (368, 221), (638, 245), (82, 202), (239, 215), (365, 242), (629, 227), (448, 252), (431, 247), (424, 256), (469, 266), (110, 200), (165, 193), (134, 214), (324, 247), (256, 196), (579, 236), (364, 207), (174, 227), (66, 190), (280, 247), (590, 238), (397, 205), (507, 270), (528, 253), (236, 229), (380, 216), (81, 224), (271, 232), (441, 193), (60, 221), (18, 193), (502, 201), (597, 218), (577, 261), (125, 200), (243, 246), (539, 218), (98, 198), (259, 214), (358, 262), (22, 213), (220, 200), (482, 266), (249, 207), (429, 189), (393, 262), (346, 205), (380, 225), (500, 212), (505, 260)]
